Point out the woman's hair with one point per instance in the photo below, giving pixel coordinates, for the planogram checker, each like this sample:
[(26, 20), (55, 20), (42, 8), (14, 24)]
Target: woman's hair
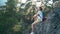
[(40, 8)]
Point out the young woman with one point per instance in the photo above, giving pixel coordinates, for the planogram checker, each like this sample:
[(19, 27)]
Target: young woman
[(38, 17)]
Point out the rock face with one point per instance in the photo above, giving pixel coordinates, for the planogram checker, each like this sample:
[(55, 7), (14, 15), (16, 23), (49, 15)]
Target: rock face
[(51, 25)]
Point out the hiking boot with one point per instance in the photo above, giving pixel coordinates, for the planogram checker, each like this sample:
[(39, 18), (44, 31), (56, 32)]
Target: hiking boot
[(32, 33)]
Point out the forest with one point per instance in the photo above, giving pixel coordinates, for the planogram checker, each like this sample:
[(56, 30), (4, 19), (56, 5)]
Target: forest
[(16, 18)]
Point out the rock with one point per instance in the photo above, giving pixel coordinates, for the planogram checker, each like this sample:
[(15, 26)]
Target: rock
[(51, 25)]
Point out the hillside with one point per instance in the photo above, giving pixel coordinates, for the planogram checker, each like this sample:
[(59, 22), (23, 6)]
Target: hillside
[(52, 24)]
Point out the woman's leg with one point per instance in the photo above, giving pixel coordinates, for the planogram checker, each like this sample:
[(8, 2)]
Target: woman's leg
[(37, 21)]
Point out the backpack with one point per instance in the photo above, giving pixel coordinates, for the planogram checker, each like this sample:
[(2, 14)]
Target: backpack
[(44, 18)]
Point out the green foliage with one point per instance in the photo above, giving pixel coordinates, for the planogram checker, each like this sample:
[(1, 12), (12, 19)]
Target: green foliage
[(8, 18), (12, 22), (16, 23)]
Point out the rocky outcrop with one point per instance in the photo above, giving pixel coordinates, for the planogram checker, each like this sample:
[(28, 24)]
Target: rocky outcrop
[(51, 25)]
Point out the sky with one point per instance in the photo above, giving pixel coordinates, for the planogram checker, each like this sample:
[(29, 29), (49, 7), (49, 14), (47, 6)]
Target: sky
[(2, 2), (23, 1)]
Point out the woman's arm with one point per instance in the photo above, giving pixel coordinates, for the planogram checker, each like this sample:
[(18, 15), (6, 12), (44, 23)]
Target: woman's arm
[(35, 15)]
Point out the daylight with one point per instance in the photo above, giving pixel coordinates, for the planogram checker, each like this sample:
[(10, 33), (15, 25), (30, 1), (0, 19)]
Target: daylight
[(29, 16)]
